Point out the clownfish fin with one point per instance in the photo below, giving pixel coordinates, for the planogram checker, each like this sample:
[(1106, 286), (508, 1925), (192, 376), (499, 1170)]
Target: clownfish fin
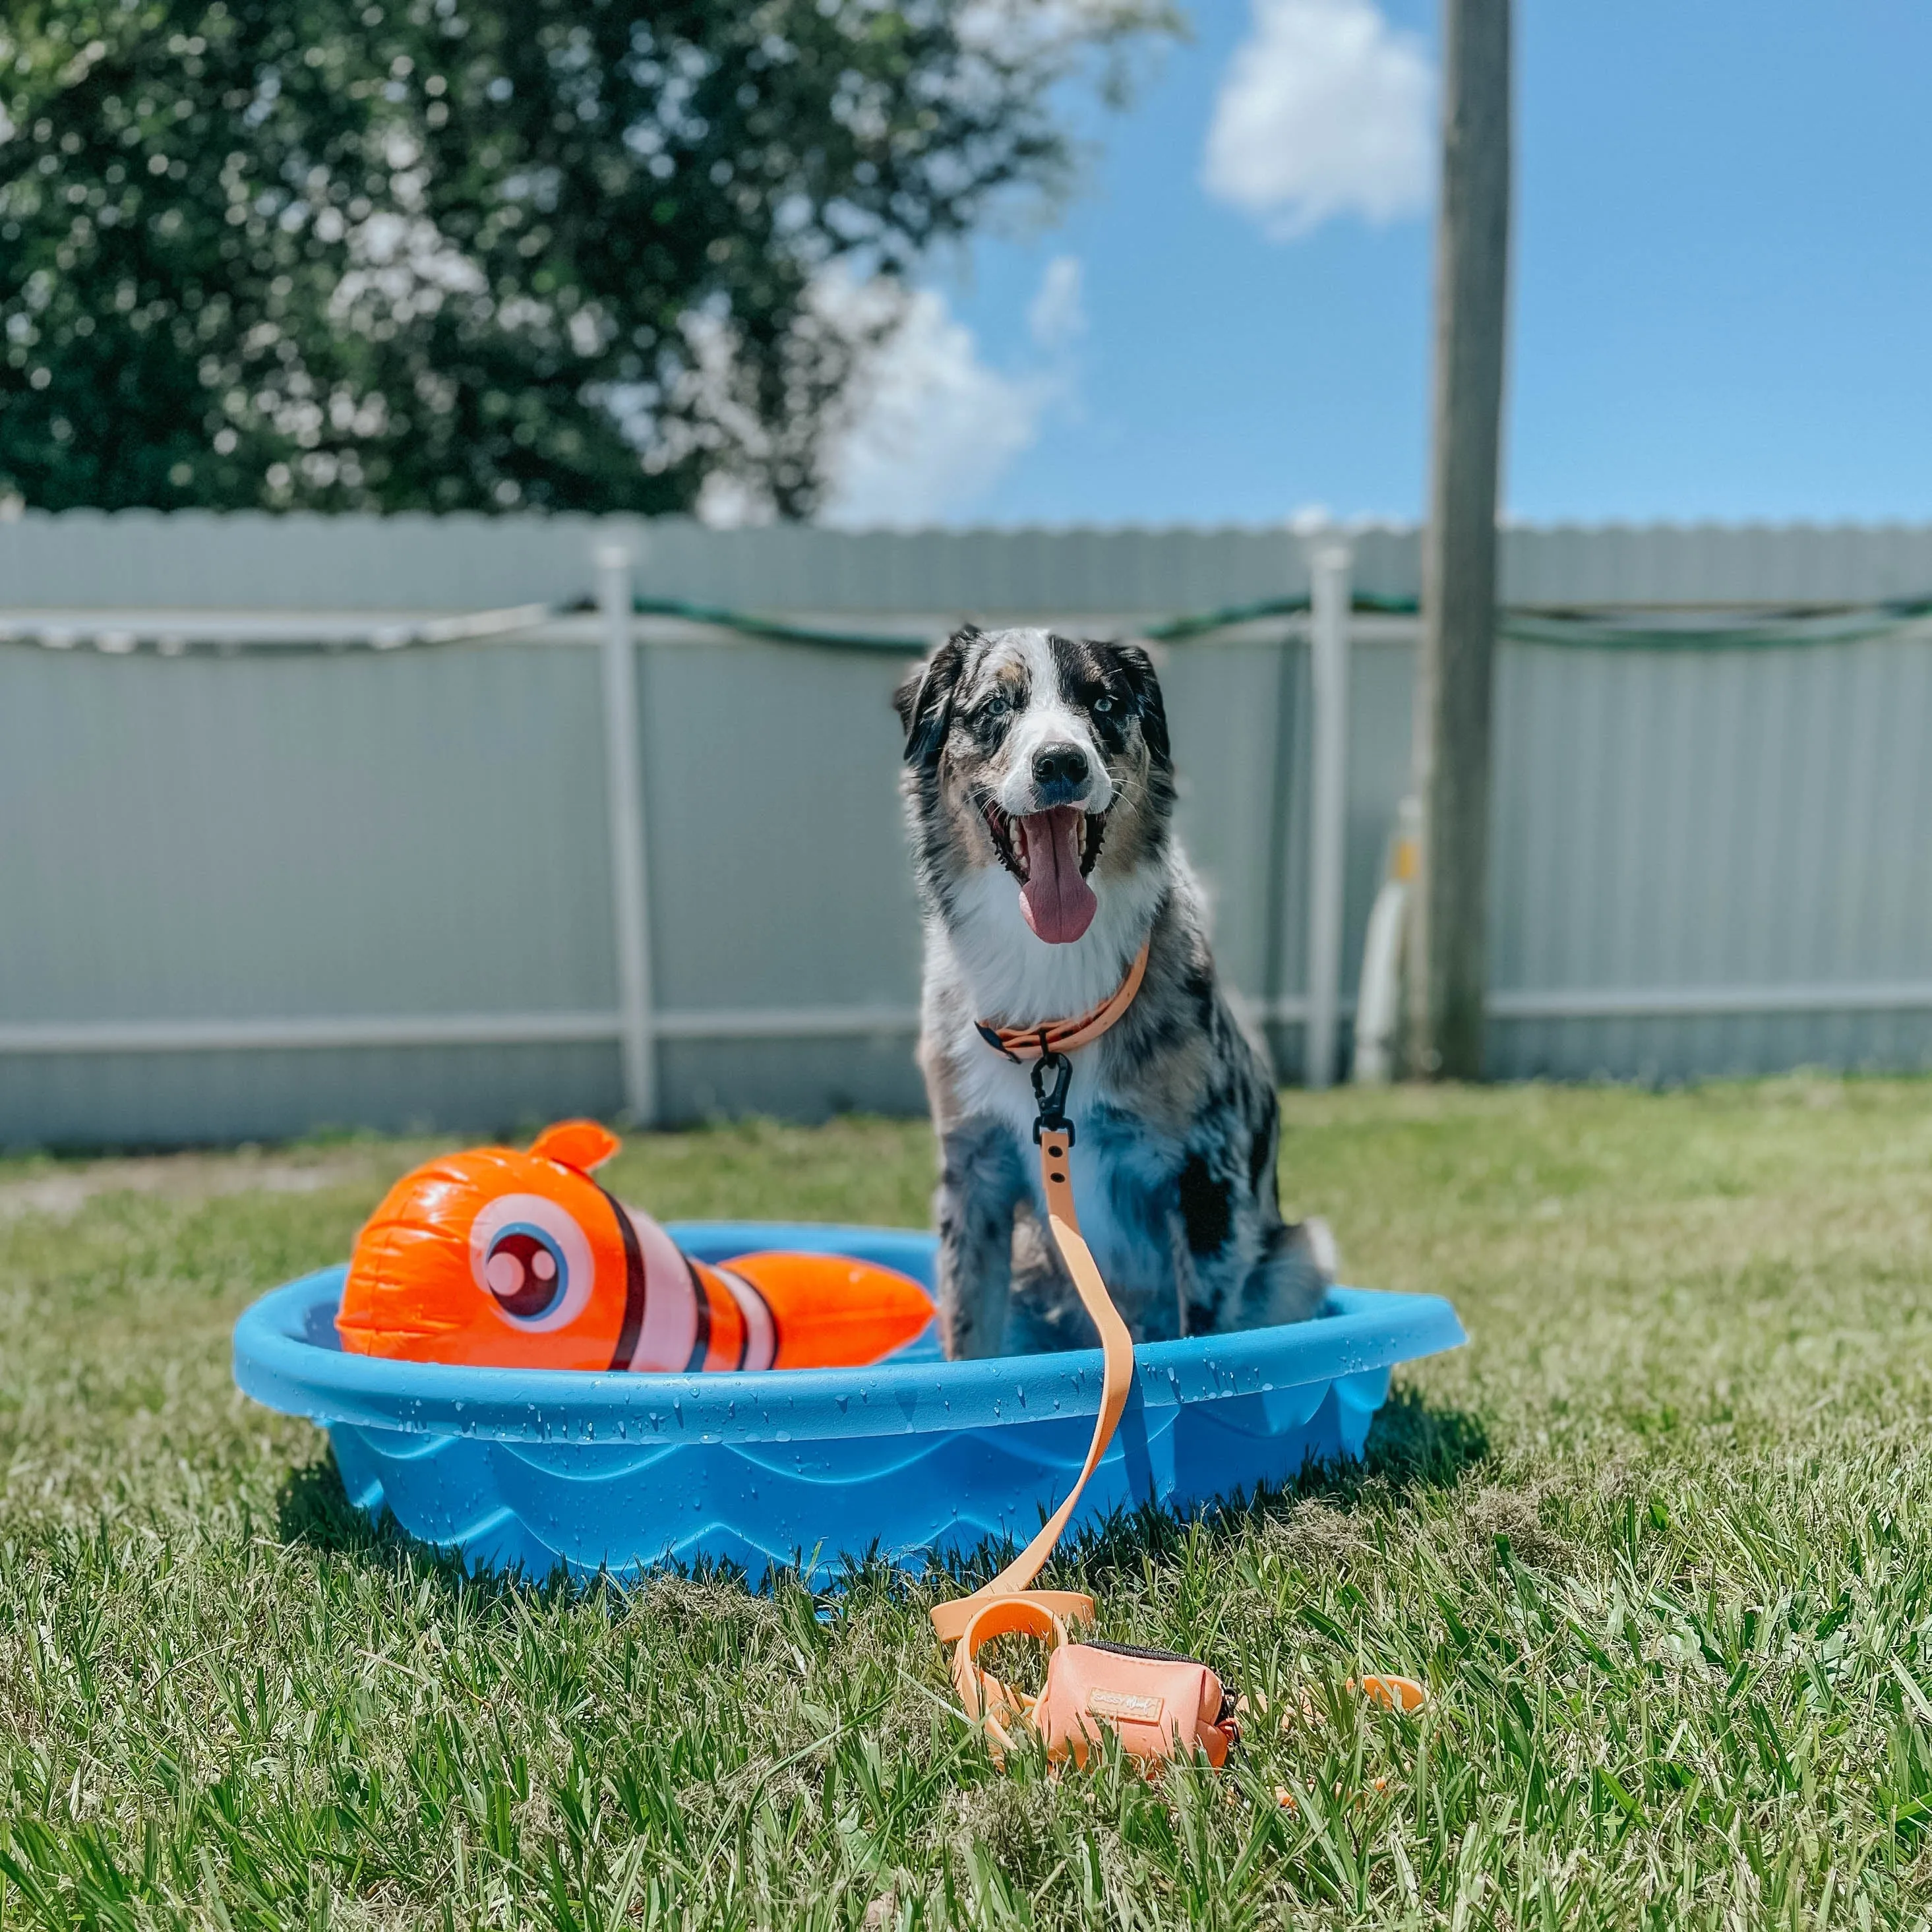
[(581, 1144)]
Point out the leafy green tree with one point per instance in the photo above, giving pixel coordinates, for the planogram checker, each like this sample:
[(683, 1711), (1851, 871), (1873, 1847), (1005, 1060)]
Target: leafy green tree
[(442, 254)]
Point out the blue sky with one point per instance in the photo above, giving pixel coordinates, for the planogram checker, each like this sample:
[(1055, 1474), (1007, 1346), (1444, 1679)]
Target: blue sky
[(1722, 291)]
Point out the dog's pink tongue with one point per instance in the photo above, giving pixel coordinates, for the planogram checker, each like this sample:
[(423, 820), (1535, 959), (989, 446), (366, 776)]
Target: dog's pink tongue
[(1058, 903)]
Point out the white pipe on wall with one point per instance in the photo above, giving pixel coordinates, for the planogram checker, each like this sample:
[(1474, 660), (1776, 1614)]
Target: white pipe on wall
[(630, 882), (335, 1032), (1328, 814), (1609, 1002), (323, 1033)]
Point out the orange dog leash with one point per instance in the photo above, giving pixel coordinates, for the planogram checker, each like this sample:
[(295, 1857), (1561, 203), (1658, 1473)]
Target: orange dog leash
[(1161, 1706), (1008, 1603), (1047, 1047)]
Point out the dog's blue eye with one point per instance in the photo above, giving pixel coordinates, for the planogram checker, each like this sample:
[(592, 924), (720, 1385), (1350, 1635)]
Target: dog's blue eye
[(997, 706), (1103, 704)]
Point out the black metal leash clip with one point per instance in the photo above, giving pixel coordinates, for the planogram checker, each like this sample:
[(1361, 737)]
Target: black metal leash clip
[(1052, 1118)]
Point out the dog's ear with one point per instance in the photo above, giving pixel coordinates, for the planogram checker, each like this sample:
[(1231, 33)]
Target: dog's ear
[(925, 700), (1137, 668)]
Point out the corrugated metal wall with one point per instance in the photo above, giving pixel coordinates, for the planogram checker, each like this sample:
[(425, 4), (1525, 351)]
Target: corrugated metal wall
[(1713, 863), (1704, 862)]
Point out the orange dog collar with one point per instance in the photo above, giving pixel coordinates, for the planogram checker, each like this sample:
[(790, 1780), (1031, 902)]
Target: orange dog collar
[(1039, 1042)]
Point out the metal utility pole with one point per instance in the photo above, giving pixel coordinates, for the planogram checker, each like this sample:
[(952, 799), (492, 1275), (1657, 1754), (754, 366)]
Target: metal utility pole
[(1447, 969)]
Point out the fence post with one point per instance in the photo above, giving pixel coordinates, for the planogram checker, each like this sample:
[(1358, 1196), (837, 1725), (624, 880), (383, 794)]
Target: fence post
[(630, 893), (1328, 807)]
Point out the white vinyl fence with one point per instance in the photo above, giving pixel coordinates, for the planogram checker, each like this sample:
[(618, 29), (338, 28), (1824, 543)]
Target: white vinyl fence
[(309, 823)]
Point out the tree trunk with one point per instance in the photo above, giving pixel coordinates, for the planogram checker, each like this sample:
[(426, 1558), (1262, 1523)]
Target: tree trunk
[(1448, 976)]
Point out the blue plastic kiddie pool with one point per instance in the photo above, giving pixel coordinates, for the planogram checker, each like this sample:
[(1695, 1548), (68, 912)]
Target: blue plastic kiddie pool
[(531, 1468)]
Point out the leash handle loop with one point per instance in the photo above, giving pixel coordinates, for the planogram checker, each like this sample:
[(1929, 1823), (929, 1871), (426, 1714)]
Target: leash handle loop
[(981, 1693)]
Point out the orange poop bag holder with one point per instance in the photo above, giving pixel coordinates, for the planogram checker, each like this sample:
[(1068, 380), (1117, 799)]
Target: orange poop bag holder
[(494, 1257)]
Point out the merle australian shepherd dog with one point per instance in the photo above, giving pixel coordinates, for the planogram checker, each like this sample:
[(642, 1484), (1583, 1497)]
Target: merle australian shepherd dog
[(1039, 790)]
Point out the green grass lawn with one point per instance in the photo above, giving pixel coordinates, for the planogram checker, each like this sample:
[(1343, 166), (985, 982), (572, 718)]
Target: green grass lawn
[(1660, 1540)]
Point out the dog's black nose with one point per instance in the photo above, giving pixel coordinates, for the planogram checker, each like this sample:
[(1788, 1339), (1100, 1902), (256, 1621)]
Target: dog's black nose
[(1059, 765)]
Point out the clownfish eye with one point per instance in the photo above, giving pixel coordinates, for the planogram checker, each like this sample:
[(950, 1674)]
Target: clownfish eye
[(527, 1272), (529, 1256)]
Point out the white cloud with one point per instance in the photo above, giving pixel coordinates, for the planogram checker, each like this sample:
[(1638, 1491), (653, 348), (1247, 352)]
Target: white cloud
[(933, 426), (928, 426), (1058, 314), (1326, 110)]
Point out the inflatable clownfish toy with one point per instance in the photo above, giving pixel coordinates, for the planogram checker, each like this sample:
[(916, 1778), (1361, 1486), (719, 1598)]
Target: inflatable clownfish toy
[(523, 1261)]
